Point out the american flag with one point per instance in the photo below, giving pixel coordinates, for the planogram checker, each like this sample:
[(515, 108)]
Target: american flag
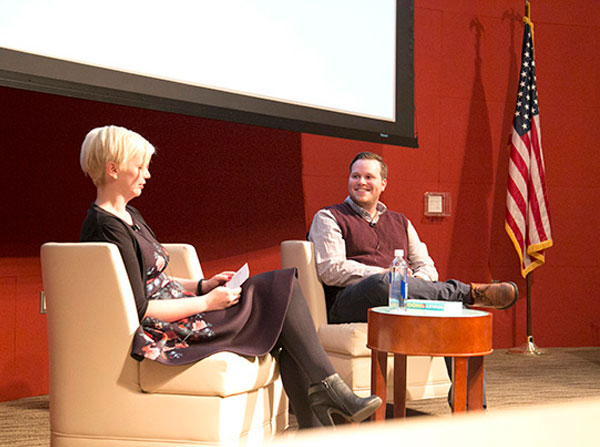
[(527, 215)]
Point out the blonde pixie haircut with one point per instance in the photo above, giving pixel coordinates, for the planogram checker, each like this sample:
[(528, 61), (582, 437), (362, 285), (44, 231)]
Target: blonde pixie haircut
[(110, 143)]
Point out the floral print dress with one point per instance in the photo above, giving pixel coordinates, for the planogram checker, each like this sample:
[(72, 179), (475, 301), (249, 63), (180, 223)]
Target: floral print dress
[(155, 338)]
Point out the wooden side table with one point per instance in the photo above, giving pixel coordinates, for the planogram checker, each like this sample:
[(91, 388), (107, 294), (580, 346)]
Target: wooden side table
[(464, 336)]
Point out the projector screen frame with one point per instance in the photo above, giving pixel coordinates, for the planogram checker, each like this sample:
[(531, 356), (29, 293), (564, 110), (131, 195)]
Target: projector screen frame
[(48, 75)]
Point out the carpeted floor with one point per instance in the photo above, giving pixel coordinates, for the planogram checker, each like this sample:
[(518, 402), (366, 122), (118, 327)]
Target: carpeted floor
[(25, 422), (512, 380), (515, 380)]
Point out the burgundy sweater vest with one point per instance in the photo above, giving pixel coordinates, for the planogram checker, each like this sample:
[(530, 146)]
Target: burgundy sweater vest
[(368, 244)]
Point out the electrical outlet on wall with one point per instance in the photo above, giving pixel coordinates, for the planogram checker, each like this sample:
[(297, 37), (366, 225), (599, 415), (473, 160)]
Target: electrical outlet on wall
[(42, 302)]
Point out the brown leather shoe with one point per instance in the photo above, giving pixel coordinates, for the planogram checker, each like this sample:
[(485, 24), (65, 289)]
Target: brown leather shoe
[(499, 295)]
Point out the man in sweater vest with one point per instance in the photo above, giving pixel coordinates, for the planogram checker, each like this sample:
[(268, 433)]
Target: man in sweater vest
[(354, 246)]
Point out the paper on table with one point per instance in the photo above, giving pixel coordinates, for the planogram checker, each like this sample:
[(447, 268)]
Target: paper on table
[(239, 277)]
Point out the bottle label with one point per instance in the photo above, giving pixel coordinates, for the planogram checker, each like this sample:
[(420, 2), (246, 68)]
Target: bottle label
[(397, 289), (403, 292), (394, 300)]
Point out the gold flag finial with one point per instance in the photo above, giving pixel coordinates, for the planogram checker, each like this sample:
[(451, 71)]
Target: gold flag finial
[(527, 18)]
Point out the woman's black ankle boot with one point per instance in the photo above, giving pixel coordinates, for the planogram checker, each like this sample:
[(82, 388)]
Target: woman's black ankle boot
[(332, 395)]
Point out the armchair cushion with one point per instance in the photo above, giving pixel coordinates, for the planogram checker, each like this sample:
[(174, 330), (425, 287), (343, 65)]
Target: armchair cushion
[(345, 338), (222, 374)]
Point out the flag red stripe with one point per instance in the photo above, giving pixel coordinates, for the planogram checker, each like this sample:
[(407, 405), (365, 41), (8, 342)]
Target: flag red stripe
[(521, 164), (514, 190), (537, 151), (517, 197), (534, 208), (537, 148), (516, 232)]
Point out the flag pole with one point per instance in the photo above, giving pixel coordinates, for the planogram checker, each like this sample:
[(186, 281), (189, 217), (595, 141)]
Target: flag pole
[(529, 348)]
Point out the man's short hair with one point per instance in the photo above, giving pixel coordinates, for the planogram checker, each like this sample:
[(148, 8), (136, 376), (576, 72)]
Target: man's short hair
[(371, 156)]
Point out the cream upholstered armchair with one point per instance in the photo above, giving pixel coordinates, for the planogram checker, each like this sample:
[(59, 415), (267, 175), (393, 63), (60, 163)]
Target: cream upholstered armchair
[(100, 396), (346, 344)]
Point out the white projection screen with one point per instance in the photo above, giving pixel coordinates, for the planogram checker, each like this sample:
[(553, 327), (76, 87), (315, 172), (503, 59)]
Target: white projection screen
[(333, 67)]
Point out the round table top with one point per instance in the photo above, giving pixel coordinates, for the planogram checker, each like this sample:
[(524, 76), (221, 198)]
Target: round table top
[(420, 332), (464, 312)]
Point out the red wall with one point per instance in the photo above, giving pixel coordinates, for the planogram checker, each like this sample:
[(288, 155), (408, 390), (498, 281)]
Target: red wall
[(236, 191), (467, 57)]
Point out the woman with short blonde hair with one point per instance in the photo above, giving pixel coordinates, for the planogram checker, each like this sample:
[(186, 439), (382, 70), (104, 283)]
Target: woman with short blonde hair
[(110, 144)]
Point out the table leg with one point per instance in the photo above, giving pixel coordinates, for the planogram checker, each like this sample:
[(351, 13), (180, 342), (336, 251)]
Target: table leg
[(379, 381), (475, 384), (459, 388), (399, 386)]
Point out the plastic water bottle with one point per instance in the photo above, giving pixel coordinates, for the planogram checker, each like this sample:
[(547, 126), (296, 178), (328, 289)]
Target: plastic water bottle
[(398, 273)]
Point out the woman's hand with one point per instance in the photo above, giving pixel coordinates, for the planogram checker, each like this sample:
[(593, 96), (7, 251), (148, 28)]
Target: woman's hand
[(172, 310), (222, 297), (218, 280)]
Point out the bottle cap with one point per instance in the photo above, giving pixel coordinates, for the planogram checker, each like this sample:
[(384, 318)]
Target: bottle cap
[(399, 253)]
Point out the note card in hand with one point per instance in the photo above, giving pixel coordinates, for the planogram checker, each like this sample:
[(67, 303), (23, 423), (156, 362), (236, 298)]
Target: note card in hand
[(239, 277)]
